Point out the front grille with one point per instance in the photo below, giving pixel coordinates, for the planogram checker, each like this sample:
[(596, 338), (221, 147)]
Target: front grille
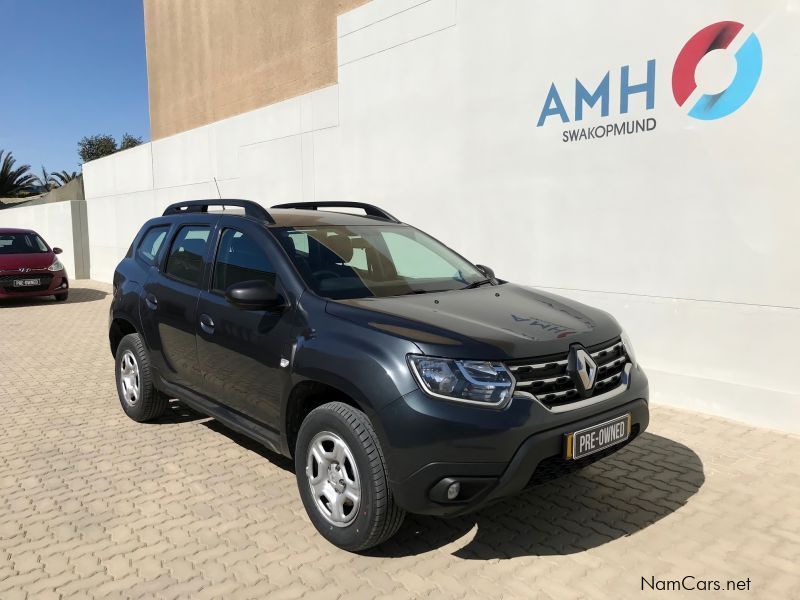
[(547, 379), (7, 282)]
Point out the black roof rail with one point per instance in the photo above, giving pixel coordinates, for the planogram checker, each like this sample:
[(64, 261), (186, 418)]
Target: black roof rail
[(370, 209), (251, 209)]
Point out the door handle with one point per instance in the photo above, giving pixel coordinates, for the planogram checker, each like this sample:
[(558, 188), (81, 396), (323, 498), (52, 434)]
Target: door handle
[(207, 324), (151, 301)]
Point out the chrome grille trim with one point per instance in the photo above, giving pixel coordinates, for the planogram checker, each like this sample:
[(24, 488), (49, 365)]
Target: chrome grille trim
[(543, 365), (604, 351), (543, 381), (625, 381), (608, 379), (614, 363), (548, 383)]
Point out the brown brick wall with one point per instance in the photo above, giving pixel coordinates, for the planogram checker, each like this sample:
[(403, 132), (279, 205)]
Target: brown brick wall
[(212, 59)]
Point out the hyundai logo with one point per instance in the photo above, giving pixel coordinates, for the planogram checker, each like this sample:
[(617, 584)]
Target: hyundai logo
[(25, 270)]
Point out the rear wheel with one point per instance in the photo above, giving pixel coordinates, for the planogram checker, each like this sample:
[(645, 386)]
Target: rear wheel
[(341, 475), (139, 398)]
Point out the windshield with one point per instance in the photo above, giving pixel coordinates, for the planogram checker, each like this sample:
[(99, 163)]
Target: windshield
[(363, 261), (21, 243)]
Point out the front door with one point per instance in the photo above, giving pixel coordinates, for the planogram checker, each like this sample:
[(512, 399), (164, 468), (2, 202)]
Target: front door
[(240, 350), (169, 305)]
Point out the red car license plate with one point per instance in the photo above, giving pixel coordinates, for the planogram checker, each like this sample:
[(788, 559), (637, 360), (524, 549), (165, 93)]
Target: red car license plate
[(27, 282)]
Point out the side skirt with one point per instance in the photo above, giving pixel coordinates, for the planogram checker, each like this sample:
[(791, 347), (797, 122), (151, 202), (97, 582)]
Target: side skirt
[(229, 417)]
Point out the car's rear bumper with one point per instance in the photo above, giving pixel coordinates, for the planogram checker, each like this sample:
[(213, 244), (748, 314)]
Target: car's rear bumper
[(497, 456), (58, 284)]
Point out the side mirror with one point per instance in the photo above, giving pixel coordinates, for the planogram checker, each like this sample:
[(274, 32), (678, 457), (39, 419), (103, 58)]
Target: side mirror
[(57, 250), (487, 272), (254, 295)]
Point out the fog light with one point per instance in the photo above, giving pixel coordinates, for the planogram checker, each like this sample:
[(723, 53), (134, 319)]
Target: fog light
[(453, 490)]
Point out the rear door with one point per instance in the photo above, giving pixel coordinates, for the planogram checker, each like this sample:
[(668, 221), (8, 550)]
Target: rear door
[(169, 306), (240, 351)]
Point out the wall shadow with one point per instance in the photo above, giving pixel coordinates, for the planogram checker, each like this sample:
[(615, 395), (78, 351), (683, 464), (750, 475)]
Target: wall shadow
[(624, 493), (76, 296)]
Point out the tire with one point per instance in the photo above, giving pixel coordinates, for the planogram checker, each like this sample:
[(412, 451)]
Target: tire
[(375, 517), (62, 297), (139, 398)]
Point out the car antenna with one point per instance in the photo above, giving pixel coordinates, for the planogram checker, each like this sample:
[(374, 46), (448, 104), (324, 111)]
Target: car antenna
[(217, 184)]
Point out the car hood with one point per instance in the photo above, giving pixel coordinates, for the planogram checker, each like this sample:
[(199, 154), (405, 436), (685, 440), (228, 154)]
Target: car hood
[(35, 260), (491, 322)]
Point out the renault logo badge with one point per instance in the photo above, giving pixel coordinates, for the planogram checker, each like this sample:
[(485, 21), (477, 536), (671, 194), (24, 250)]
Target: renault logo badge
[(581, 368)]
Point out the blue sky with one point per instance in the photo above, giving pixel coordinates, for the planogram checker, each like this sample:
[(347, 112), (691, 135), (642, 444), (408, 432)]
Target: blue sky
[(72, 68)]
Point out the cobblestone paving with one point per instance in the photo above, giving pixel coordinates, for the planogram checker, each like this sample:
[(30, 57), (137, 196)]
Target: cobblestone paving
[(95, 505)]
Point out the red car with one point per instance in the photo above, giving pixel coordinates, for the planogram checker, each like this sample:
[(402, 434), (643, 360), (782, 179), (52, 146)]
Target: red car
[(29, 267)]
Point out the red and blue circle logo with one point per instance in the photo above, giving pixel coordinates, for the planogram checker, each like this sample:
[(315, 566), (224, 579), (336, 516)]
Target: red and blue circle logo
[(748, 69)]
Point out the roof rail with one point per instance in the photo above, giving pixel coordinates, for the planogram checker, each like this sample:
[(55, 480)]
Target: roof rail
[(251, 209), (370, 209)]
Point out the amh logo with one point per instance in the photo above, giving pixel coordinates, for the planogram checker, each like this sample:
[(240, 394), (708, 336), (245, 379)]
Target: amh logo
[(717, 36)]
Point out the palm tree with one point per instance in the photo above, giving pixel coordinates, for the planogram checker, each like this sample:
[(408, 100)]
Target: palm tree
[(14, 182), (46, 182), (62, 177)]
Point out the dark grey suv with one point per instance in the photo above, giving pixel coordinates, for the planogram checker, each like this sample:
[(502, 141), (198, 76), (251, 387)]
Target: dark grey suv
[(400, 376)]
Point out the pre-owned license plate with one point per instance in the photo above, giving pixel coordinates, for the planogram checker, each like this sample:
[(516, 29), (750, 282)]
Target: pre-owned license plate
[(598, 437), (26, 282)]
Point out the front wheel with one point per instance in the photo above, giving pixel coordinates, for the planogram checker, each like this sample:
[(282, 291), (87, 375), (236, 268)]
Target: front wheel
[(341, 475)]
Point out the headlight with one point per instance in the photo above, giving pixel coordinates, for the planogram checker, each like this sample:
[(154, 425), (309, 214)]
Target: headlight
[(473, 381), (56, 266), (626, 342)]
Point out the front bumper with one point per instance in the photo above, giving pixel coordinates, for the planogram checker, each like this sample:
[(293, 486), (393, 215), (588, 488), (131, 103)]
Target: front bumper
[(492, 453), (58, 284)]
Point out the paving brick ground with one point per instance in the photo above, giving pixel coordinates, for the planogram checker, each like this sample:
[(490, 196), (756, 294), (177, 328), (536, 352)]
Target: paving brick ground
[(95, 505)]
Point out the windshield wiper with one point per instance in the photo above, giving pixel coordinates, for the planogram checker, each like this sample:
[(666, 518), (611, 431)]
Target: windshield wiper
[(423, 292), (478, 283)]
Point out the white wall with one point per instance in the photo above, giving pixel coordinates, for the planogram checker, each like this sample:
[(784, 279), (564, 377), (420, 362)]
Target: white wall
[(686, 233), (52, 221)]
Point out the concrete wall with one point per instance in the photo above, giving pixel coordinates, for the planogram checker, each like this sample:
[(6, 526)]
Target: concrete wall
[(62, 225), (686, 233), (207, 60), (72, 190)]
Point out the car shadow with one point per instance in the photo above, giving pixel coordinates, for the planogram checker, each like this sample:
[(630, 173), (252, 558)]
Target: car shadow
[(76, 296), (177, 412), (615, 497), (249, 444), (647, 480)]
